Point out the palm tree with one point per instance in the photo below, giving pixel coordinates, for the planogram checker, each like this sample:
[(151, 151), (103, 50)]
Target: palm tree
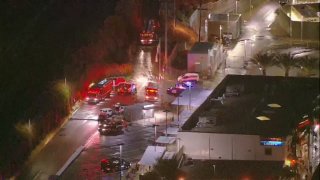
[(263, 60), (308, 64), (286, 61)]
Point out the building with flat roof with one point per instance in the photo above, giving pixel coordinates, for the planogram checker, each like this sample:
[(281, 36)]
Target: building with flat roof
[(205, 58), (300, 21), (222, 24), (248, 118)]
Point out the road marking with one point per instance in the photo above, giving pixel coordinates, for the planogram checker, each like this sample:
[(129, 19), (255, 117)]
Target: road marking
[(87, 144)]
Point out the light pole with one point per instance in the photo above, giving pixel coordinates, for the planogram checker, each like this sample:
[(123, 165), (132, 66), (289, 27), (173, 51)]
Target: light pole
[(228, 22), (178, 96), (166, 37), (301, 29), (159, 57), (120, 154), (155, 132), (174, 13), (245, 50), (250, 7), (166, 111), (200, 9), (251, 45), (189, 84), (290, 29), (236, 6), (220, 28)]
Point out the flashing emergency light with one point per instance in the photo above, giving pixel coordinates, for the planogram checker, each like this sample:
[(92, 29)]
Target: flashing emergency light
[(272, 143), (304, 124), (90, 85)]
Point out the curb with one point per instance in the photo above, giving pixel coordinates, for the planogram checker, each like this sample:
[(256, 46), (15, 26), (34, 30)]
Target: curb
[(70, 160)]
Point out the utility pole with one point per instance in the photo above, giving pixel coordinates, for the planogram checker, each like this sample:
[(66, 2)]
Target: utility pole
[(200, 9), (159, 57), (166, 36), (166, 111), (174, 13)]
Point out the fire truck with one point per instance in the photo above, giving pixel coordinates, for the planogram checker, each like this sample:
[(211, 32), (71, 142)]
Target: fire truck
[(101, 90), (151, 91), (126, 88), (149, 35)]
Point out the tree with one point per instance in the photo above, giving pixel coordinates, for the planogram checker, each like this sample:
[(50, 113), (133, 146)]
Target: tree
[(286, 61), (202, 170), (150, 175), (308, 64), (167, 168), (263, 60)]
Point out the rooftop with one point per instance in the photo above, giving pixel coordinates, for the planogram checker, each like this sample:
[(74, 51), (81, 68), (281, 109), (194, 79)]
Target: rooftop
[(224, 17), (307, 10), (255, 105), (237, 169)]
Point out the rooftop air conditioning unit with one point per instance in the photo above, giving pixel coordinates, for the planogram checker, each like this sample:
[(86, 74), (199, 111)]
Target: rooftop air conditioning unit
[(208, 120)]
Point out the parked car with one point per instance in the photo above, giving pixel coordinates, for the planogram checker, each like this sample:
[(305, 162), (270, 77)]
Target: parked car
[(113, 165), (107, 111), (110, 126), (174, 91), (189, 77), (182, 85)]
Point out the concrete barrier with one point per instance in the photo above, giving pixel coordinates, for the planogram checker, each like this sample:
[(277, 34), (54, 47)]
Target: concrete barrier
[(70, 160)]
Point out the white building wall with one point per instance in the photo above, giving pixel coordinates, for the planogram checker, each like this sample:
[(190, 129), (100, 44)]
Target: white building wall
[(197, 62), (195, 145), (244, 147), (205, 62), (228, 147), (221, 146)]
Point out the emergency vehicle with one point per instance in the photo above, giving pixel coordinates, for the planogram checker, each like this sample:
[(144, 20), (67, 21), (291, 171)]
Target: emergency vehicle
[(151, 91), (126, 88), (101, 90)]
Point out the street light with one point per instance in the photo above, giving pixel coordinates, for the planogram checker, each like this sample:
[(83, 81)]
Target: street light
[(236, 6), (120, 151), (250, 7), (178, 96), (200, 9), (220, 28), (228, 22), (189, 84), (166, 111), (174, 13), (159, 57), (301, 29), (245, 50), (290, 29)]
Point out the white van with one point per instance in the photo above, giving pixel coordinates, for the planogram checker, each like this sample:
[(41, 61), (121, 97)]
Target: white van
[(189, 77)]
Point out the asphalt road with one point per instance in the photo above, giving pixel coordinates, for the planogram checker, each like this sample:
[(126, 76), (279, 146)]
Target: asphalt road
[(82, 128)]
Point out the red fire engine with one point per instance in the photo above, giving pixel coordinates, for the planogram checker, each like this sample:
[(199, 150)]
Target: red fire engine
[(126, 88), (101, 90), (149, 35), (152, 93)]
